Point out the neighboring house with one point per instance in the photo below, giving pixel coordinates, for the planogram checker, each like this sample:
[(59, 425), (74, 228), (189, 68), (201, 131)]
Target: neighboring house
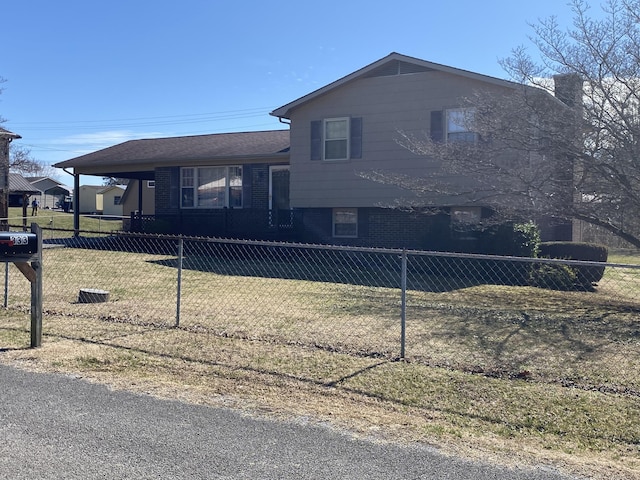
[(21, 192), (306, 183), (146, 205), (53, 193), (112, 200), (90, 199)]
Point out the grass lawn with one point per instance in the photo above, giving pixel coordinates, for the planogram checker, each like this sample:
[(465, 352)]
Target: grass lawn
[(515, 375), (58, 219)]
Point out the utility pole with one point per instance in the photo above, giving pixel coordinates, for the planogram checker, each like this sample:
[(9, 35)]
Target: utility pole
[(6, 137)]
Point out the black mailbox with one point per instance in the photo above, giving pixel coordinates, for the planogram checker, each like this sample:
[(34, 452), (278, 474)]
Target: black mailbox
[(18, 244)]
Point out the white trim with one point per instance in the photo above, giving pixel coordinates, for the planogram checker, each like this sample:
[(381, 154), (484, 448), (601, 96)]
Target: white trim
[(325, 140), (333, 222), (194, 187), (463, 111)]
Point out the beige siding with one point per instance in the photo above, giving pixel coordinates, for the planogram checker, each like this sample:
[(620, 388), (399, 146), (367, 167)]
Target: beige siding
[(131, 198), (90, 200), (387, 105), (110, 207)]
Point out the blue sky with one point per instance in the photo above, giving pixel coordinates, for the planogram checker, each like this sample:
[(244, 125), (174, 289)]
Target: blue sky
[(83, 75)]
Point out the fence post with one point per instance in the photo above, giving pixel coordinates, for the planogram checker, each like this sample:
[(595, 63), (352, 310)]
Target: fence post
[(180, 252), (6, 284), (403, 304)]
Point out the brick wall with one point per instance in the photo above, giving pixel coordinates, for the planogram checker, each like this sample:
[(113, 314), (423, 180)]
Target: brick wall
[(260, 186), (162, 190), (378, 227)]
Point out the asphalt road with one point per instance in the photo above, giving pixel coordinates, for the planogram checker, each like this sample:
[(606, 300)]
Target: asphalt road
[(56, 426)]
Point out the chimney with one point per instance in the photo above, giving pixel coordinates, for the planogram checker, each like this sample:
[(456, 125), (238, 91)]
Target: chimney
[(568, 89)]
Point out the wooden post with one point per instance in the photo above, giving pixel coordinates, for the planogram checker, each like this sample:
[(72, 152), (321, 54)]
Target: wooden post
[(36, 292), (33, 273), (5, 139)]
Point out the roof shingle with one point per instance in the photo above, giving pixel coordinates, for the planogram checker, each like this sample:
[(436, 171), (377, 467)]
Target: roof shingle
[(182, 149)]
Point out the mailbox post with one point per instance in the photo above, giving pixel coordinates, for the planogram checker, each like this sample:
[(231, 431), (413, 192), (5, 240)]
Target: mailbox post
[(25, 251)]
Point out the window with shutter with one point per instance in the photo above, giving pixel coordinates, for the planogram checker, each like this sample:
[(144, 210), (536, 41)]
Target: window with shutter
[(336, 138), (459, 122)]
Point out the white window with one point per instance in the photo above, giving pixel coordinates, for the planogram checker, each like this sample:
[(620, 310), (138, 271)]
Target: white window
[(466, 215), (151, 184), (211, 187), (336, 139), (458, 125), (464, 222), (345, 222)]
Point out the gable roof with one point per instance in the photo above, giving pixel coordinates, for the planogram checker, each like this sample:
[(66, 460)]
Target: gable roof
[(6, 133), (145, 154), (392, 64), (19, 184), (46, 183)]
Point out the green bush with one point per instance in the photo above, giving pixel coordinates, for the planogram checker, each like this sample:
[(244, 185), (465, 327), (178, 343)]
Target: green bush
[(586, 276), (515, 240), (553, 277), (511, 239)]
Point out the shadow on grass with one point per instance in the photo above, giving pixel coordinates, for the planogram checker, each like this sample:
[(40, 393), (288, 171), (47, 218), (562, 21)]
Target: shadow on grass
[(327, 270), (426, 405), (549, 346)]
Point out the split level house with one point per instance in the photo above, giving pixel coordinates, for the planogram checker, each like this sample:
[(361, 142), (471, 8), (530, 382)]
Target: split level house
[(307, 182)]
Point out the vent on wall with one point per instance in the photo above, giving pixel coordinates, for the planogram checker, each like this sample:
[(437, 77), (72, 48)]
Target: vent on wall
[(397, 67)]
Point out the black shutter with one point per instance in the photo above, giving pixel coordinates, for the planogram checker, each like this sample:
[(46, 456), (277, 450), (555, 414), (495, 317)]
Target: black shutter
[(316, 140), (247, 178), (356, 138), (174, 187), (437, 126)]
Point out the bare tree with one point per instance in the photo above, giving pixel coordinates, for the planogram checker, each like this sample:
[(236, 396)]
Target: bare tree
[(112, 181), (575, 156), (21, 161)]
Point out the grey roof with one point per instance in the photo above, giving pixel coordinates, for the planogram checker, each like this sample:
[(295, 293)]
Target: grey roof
[(6, 133), (178, 150), (392, 60), (19, 184)]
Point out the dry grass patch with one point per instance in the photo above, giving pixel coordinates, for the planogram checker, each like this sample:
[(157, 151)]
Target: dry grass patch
[(460, 412), (517, 374)]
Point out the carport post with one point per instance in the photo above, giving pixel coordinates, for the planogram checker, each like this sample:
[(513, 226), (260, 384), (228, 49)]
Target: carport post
[(76, 204)]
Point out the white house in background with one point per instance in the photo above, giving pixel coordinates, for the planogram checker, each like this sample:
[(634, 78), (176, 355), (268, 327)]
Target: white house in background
[(90, 201), (112, 199)]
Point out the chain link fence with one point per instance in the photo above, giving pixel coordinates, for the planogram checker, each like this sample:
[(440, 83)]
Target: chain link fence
[(442, 309)]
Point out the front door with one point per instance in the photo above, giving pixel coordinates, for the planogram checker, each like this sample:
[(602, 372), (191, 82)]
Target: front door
[(279, 195)]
